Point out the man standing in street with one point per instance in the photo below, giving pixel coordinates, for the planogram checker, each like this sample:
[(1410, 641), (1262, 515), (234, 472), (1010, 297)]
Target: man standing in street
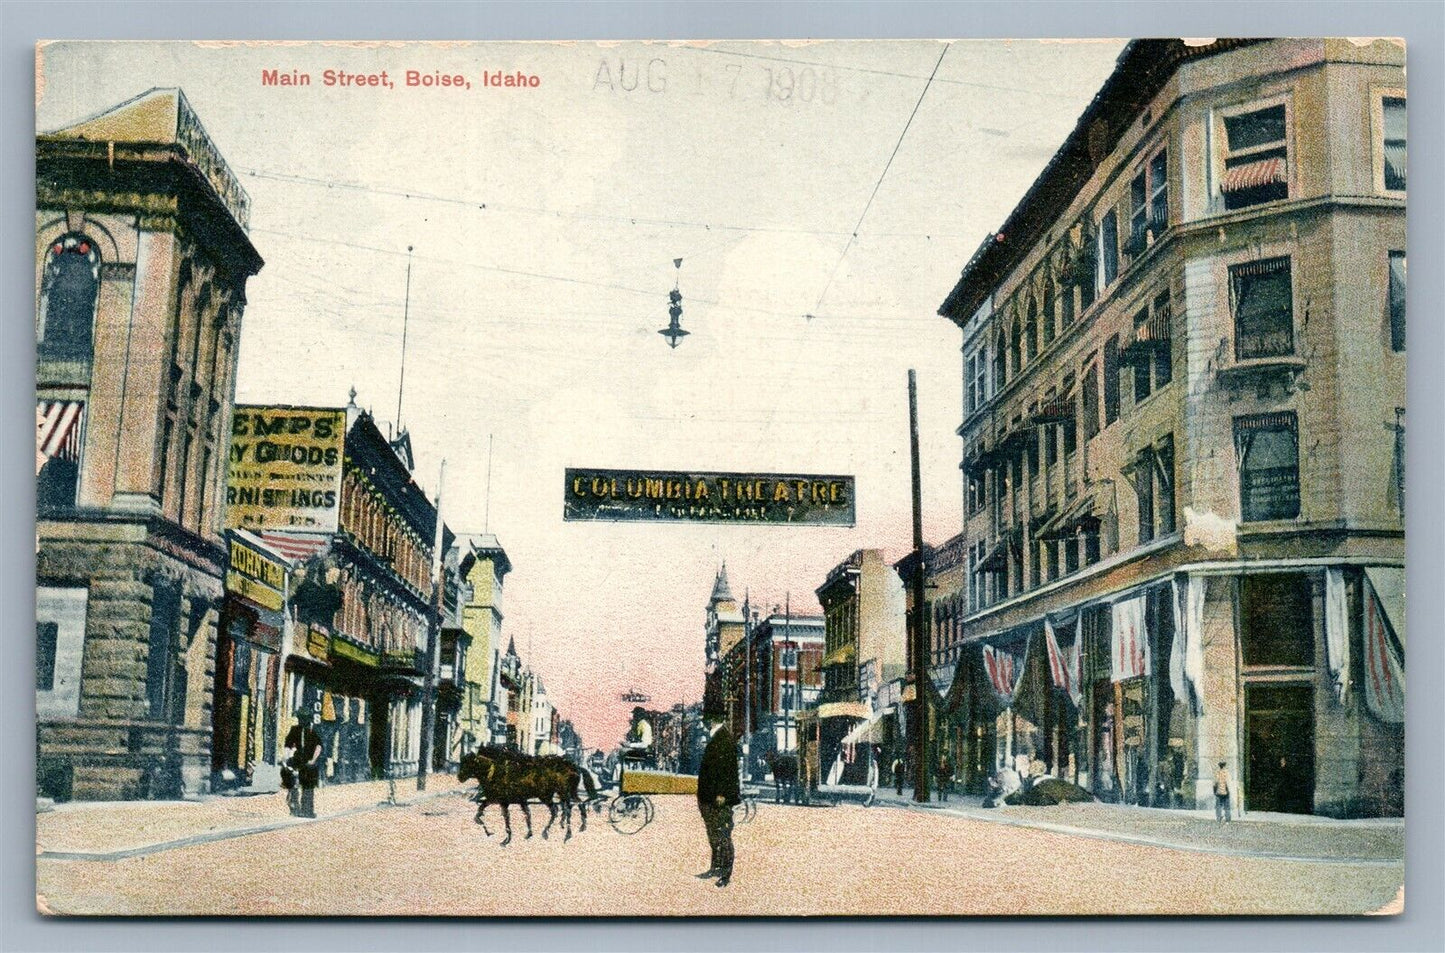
[(899, 769), (717, 792), (306, 743)]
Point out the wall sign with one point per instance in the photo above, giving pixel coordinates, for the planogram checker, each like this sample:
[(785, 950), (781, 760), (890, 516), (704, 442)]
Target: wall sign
[(285, 468)]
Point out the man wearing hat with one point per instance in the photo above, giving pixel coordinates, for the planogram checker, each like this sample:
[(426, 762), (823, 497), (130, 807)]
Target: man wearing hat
[(717, 793), (305, 744)]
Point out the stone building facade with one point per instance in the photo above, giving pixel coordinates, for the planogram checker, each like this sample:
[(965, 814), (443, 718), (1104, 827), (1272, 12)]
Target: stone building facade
[(1184, 379), (141, 263)]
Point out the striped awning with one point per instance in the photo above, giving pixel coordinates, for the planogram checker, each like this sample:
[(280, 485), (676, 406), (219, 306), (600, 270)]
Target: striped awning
[(297, 547), (1395, 161), (1252, 175), (57, 431)]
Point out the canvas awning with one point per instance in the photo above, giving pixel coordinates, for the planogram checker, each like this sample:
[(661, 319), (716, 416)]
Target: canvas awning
[(870, 730), (1389, 585), (1252, 175), (844, 710), (1062, 523)]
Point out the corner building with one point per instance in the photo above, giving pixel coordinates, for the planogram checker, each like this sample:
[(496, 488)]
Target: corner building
[(1184, 379), (141, 263)]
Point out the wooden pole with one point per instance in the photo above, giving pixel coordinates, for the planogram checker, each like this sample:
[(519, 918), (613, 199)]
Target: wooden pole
[(918, 628), (433, 638)]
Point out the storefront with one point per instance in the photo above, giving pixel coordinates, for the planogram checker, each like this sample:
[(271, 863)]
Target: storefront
[(244, 716)]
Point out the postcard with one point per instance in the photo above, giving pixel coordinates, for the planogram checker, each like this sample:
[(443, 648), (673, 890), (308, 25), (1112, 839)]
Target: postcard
[(720, 478)]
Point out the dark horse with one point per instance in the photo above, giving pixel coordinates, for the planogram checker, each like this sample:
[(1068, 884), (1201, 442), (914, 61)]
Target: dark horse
[(785, 776), (508, 777)]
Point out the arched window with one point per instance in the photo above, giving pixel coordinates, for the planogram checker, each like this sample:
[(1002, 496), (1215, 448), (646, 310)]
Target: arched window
[(1049, 329), (1000, 362), (68, 291), (1016, 342), (1031, 330)]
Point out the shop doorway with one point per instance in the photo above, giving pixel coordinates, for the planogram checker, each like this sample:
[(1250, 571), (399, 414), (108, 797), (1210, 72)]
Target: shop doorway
[(1279, 746)]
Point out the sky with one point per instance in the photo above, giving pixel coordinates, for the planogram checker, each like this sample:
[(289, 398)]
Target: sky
[(823, 198)]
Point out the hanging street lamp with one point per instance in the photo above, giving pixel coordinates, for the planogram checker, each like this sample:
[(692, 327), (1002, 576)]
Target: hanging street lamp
[(674, 332)]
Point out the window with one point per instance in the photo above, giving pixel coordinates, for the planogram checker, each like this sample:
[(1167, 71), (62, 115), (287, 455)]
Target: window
[(165, 616), (1000, 362), (68, 291), (1163, 343), (977, 371), (1277, 619), (1268, 452), (1394, 109), (1108, 249), (1016, 344), (1070, 426), (1050, 434), (1159, 193), (1143, 366), (1164, 499), (1255, 158), (1397, 300), (1138, 214), (1091, 398), (47, 635), (1144, 487), (790, 658), (1048, 315), (1111, 380), (1263, 302), (1031, 331), (1066, 305), (971, 400)]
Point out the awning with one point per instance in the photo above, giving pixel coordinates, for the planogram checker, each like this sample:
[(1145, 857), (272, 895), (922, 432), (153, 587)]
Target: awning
[(1054, 410), (1061, 524), (1252, 175), (1395, 161), (843, 653), (57, 431), (1389, 585), (1150, 335), (870, 730), (844, 710), (297, 547)]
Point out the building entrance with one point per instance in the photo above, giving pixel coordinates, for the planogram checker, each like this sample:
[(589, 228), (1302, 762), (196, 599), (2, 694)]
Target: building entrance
[(1279, 744)]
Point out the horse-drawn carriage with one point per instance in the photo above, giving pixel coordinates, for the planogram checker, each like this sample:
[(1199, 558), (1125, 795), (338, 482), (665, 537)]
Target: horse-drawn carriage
[(507, 777), (633, 809)]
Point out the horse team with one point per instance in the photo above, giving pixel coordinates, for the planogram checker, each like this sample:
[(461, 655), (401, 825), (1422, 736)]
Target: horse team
[(507, 777)]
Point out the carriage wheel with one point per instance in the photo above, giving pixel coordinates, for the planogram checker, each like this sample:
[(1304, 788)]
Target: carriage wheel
[(629, 813)]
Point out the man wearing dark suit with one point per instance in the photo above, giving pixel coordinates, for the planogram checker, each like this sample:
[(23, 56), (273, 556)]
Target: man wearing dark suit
[(306, 743), (717, 793)]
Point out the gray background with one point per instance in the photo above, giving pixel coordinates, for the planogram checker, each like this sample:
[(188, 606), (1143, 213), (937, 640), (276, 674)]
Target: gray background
[(1422, 24)]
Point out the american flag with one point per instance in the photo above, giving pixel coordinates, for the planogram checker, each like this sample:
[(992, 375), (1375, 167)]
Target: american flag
[(1130, 640), (1064, 664), (57, 431), (1001, 667)]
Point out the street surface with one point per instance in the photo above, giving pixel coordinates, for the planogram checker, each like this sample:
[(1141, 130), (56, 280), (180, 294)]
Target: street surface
[(245, 856)]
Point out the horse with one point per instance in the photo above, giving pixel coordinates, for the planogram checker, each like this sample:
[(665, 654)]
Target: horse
[(507, 777), (785, 776)]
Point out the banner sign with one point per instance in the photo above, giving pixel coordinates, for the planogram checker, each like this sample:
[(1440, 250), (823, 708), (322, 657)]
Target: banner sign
[(254, 575), (285, 468), (671, 496)]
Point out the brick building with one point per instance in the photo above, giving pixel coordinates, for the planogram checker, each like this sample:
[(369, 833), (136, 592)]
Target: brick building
[(141, 262), (1184, 380)]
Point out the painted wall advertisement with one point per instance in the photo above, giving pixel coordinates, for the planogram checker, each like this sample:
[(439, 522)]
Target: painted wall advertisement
[(285, 468)]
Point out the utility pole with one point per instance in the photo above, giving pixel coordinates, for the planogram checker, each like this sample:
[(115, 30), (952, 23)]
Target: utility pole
[(917, 630), (433, 639), (405, 320)]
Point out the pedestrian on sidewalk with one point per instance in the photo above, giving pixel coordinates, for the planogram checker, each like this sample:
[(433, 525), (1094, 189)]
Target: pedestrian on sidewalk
[(717, 793), (899, 769), (303, 740), (945, 777), (875, 765), (1221, 794)]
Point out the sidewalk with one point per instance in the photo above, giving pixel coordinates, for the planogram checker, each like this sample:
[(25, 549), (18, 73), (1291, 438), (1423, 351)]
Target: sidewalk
[(1285, 836), (94, 829)]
